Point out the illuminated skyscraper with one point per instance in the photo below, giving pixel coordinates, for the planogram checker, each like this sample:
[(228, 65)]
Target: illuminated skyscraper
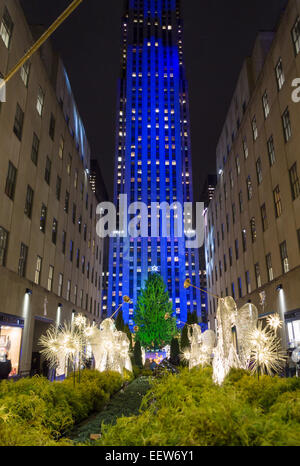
[(153, 155)]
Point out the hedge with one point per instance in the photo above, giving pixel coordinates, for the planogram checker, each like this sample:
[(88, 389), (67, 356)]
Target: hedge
[(188, 409), (37, 412)]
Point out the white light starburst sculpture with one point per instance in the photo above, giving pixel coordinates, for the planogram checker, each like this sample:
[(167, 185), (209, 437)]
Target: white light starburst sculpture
[(68, 345), (241, 341), (274, 322), (265, 351)]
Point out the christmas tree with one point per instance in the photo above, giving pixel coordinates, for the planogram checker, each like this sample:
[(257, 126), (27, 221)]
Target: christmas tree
[(154, 323), (137, 355), (174, 352), (185, 342)]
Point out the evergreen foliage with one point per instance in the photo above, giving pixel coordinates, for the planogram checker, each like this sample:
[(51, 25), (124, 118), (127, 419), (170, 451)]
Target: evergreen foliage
[(174, 351), (137, 355), (188, 409), (119, 322), (184, 342), (153, 315), (36, 412)]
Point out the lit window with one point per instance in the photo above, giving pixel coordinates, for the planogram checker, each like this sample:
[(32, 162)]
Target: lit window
[(266, 106), (284, 257), (286, 122), (25, 73), (279, 74), (296, 36), (40, 101), (295, 184), (6, 28)]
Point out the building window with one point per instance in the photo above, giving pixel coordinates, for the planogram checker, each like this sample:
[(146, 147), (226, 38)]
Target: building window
[(236, 244), (40, 101), (259, 170), (295, 184), (254, 129), (3, 245), (240, 287), (60, 284), (64, 242), (284, 257), (18, 124), (48, 170), (28, 202), (77, 258), (264, 217), (248, 282), (74, 214), (43, 218), (271, 151), (257, 275), (238, 165), (68, 290), (58, 187), (241, 201), (277, 202), (25, 70), (231, 179), (11, 179), (230, 256), (54, 231), (279, 74), (244, 240), (233, 213), (298, 234), (76, 179), (71, 250), (83, 264), (35, 149), (245, 148), (249, 188), (232, 290), (50, 278), (269, 267), (286, 122), (22, 260), (296, 36), (61, 147), (253, 229), (38, 268), (6, 28), (69, 164), (52, 127), (67, 199), (75, 294), (266, 107), (225, 263)]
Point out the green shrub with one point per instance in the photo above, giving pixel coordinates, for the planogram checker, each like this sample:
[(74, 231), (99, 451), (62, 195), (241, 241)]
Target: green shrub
[(189, 409), (34, 411)]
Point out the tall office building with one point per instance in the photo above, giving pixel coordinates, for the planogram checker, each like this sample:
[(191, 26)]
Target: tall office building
[(253, 221), (153, 155), (50, 256)]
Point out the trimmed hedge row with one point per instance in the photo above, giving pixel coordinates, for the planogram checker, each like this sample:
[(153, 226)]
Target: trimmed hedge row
[(36, 412), (188, 409)]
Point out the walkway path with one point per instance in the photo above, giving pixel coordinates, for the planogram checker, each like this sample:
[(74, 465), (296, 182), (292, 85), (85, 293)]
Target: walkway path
[(125, 403)]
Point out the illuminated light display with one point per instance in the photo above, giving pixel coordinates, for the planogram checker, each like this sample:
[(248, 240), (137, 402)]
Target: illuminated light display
[(153, 156)]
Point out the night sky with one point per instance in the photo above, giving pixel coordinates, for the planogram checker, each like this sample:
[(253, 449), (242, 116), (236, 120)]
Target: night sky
[(218, 35)]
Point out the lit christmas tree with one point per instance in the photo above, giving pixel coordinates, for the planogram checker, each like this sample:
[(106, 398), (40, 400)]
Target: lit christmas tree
[(155, 326)]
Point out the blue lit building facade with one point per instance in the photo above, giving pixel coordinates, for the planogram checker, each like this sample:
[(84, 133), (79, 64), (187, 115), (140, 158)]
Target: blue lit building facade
[(153, 156)]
